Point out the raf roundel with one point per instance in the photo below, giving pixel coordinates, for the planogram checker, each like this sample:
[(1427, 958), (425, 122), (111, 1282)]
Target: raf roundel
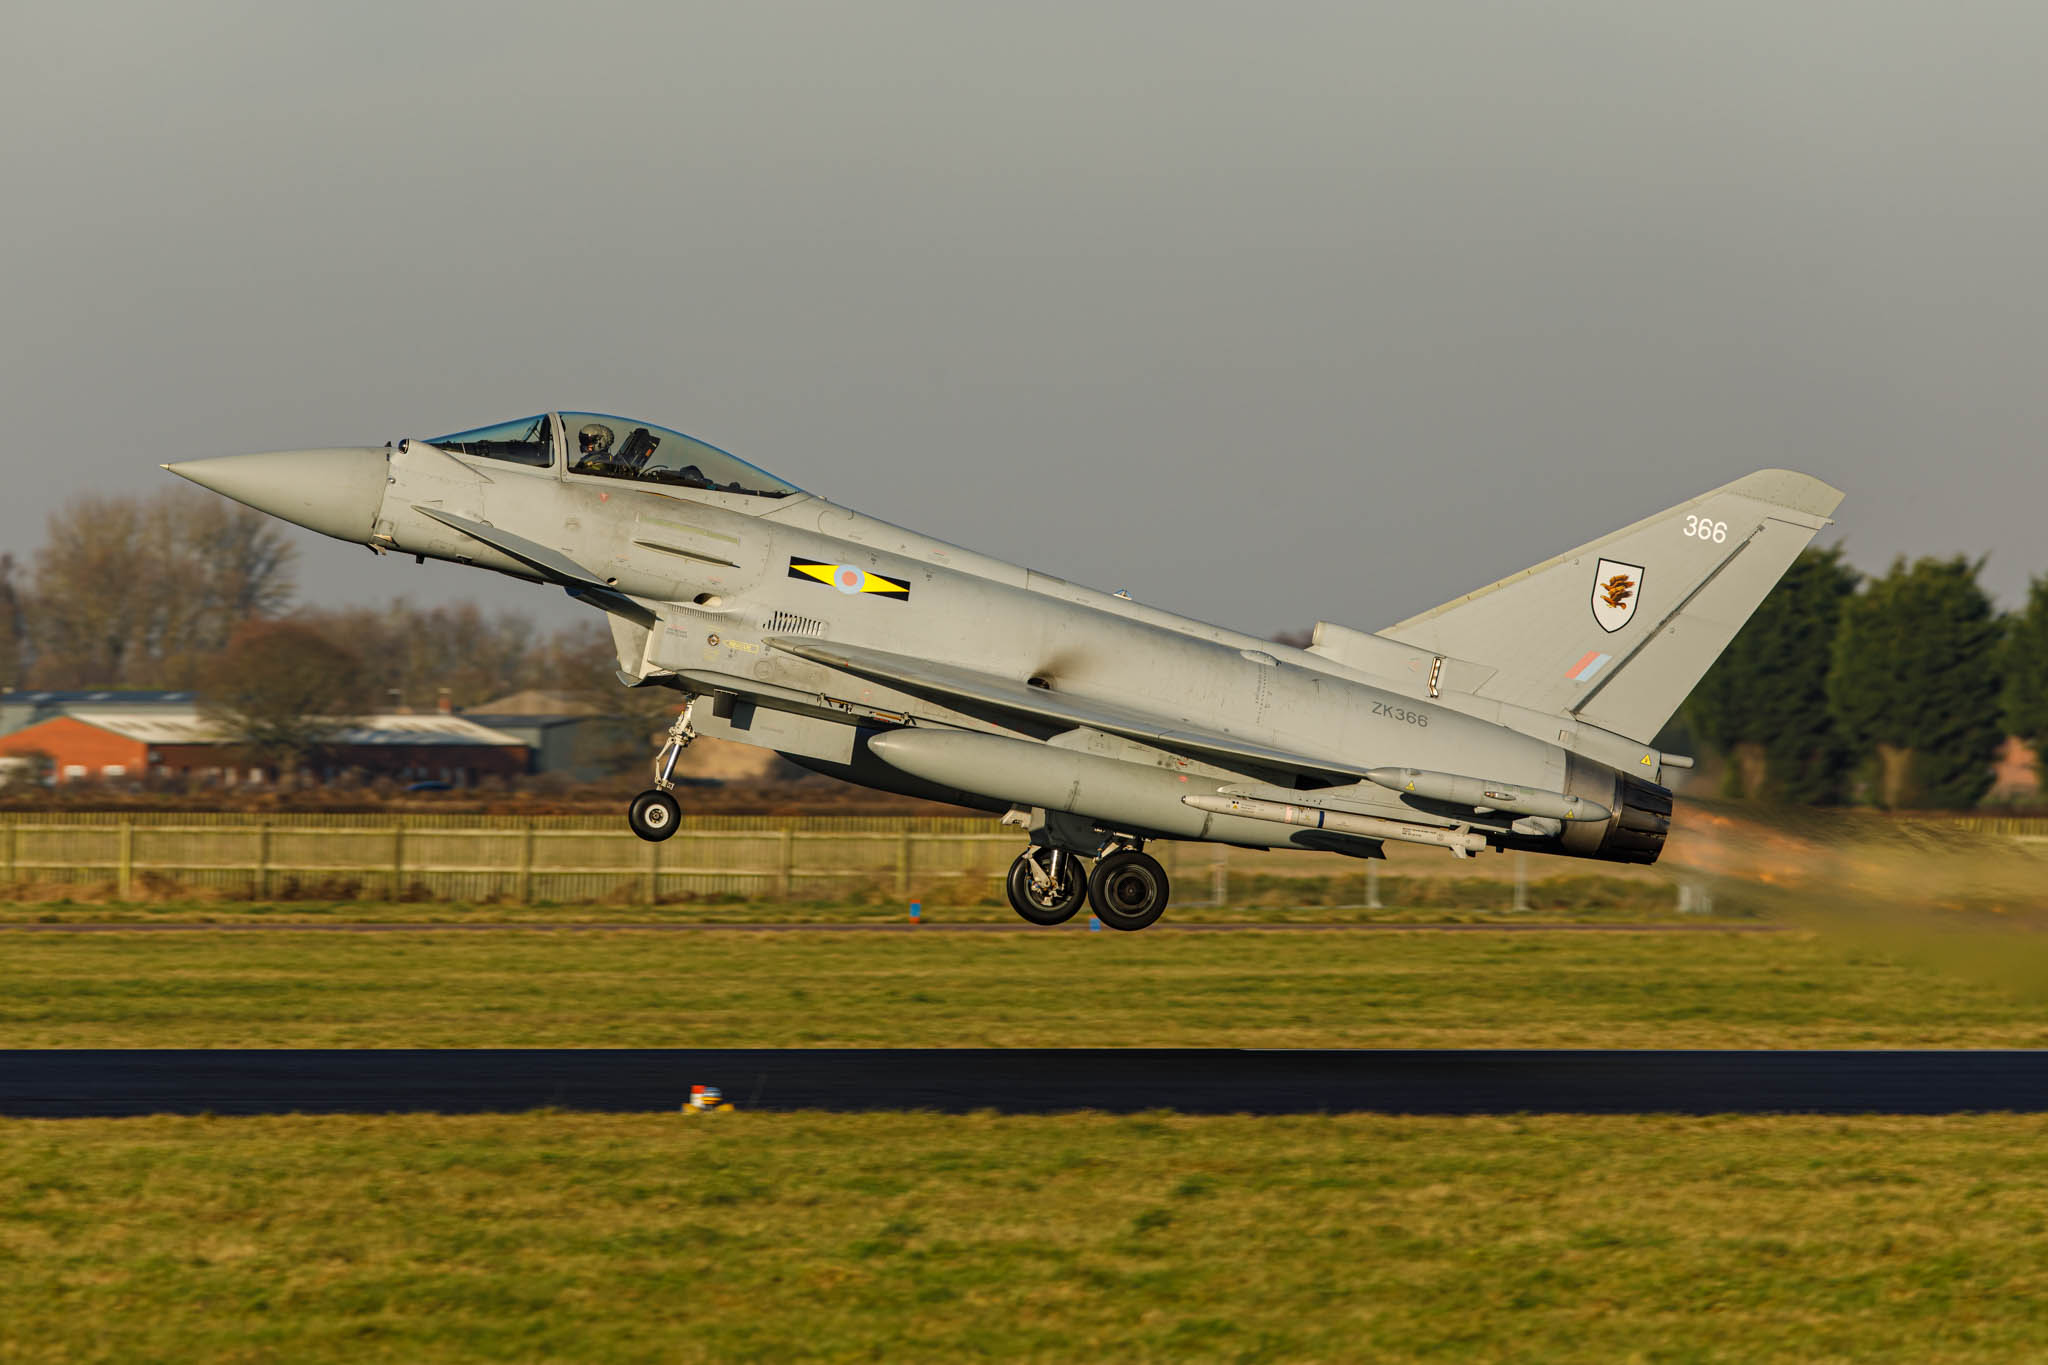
[(850, 579)]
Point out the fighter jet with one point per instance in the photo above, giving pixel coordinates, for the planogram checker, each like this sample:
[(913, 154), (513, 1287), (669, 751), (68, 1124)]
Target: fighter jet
[(1518, 716)]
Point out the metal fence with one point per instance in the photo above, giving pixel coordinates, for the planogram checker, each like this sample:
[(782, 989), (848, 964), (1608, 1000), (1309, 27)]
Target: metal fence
[(525, 859), (569, 858), (559, 858)]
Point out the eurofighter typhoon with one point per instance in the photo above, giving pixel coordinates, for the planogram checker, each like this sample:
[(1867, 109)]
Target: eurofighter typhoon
[(1519, 716)]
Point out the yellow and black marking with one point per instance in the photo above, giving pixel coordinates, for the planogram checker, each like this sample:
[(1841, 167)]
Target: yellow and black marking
[(850, 579)]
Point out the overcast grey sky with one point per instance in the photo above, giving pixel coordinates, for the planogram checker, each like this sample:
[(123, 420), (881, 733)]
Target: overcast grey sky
[(1264, 312)]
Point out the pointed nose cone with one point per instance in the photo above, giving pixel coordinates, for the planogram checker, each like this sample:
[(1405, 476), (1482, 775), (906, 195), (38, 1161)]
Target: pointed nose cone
[(334, 492)]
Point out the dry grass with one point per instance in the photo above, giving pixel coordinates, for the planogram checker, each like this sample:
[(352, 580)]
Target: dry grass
[(919, 1237), (1294, 900), (1048, 988)]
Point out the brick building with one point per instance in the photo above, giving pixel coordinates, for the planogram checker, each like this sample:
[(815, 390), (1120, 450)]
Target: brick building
[(21, 709), (131, 744)]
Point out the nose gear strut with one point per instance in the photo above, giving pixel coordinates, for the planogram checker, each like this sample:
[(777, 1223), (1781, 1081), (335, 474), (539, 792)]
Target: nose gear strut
[(654, 814), (679, 736)]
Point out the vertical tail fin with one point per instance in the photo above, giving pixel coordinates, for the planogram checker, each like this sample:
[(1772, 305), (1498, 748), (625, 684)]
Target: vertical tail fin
[(1618, 631)]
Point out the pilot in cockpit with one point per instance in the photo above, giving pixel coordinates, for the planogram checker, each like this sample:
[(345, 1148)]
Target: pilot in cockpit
[(594, 442)]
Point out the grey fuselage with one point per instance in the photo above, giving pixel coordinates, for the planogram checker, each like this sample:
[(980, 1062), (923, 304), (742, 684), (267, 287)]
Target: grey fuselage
[(721, 575)]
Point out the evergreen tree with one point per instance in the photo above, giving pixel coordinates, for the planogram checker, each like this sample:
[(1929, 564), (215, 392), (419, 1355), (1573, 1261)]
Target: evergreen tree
[(1764, 704), (1914, 685), (2026, 670)]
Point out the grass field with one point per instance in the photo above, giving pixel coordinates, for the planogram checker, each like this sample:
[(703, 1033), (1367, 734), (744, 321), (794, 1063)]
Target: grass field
[(1045, 989), (771, 1237), (917, 1237)]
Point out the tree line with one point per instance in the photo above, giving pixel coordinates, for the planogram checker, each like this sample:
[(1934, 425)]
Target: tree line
[(171, 590), (1897, 690), (137, 592)]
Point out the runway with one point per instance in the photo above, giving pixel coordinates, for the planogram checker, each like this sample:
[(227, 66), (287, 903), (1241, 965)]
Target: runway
[(62, 1083)]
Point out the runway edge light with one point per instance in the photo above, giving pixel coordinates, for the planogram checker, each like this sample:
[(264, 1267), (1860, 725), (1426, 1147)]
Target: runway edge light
[(706, 1099)]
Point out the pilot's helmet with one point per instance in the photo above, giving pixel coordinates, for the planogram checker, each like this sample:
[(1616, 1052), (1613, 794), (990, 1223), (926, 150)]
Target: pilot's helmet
[(594, 439)]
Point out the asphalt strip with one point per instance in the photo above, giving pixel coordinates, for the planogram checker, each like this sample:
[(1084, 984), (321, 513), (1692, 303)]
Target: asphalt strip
[(81, 1083)]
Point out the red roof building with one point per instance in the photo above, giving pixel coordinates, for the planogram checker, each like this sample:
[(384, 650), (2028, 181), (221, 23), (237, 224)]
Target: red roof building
[(90, 746)]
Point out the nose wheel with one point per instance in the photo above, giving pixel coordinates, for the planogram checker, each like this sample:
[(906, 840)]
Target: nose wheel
[(1047, 885), (654, 814), (1128, 890)]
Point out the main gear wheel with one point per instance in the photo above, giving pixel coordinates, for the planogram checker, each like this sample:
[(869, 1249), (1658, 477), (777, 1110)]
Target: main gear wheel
[(1047, 885), (1128, 890)]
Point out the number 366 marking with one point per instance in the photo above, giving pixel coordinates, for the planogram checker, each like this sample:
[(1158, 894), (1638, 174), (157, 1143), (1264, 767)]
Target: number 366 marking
[(1701, 529)]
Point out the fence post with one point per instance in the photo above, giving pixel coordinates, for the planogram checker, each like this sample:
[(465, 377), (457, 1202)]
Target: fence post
[(263, 860), (903, 860), (787, 863), (1372, 886), (397, 862), (652, 886), (124, 881), (1521, 880), (1219, 875), (525, 885), (7, 842)]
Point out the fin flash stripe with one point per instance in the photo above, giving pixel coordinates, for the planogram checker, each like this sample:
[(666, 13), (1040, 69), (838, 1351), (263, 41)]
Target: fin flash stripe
[(1584, 669), (850, 579)]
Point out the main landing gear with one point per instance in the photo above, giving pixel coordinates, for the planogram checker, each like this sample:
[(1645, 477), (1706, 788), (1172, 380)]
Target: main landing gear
[(1127, 889), (1047, 885), (654, 814)]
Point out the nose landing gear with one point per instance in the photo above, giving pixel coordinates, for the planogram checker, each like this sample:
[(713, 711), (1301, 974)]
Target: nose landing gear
[(654, 814)]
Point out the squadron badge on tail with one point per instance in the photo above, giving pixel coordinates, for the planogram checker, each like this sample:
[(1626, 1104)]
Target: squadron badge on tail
[(1616, 589)]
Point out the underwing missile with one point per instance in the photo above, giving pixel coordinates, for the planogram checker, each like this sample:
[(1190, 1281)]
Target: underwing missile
[(1460, 842), (1481, 794)]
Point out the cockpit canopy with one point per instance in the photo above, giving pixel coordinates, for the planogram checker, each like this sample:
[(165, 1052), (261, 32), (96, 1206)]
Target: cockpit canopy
[(529, 440), (610, 447)]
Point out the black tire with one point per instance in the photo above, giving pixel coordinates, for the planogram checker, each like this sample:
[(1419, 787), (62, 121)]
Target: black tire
[(1128, 890), (1027, 901), (654, 815)]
